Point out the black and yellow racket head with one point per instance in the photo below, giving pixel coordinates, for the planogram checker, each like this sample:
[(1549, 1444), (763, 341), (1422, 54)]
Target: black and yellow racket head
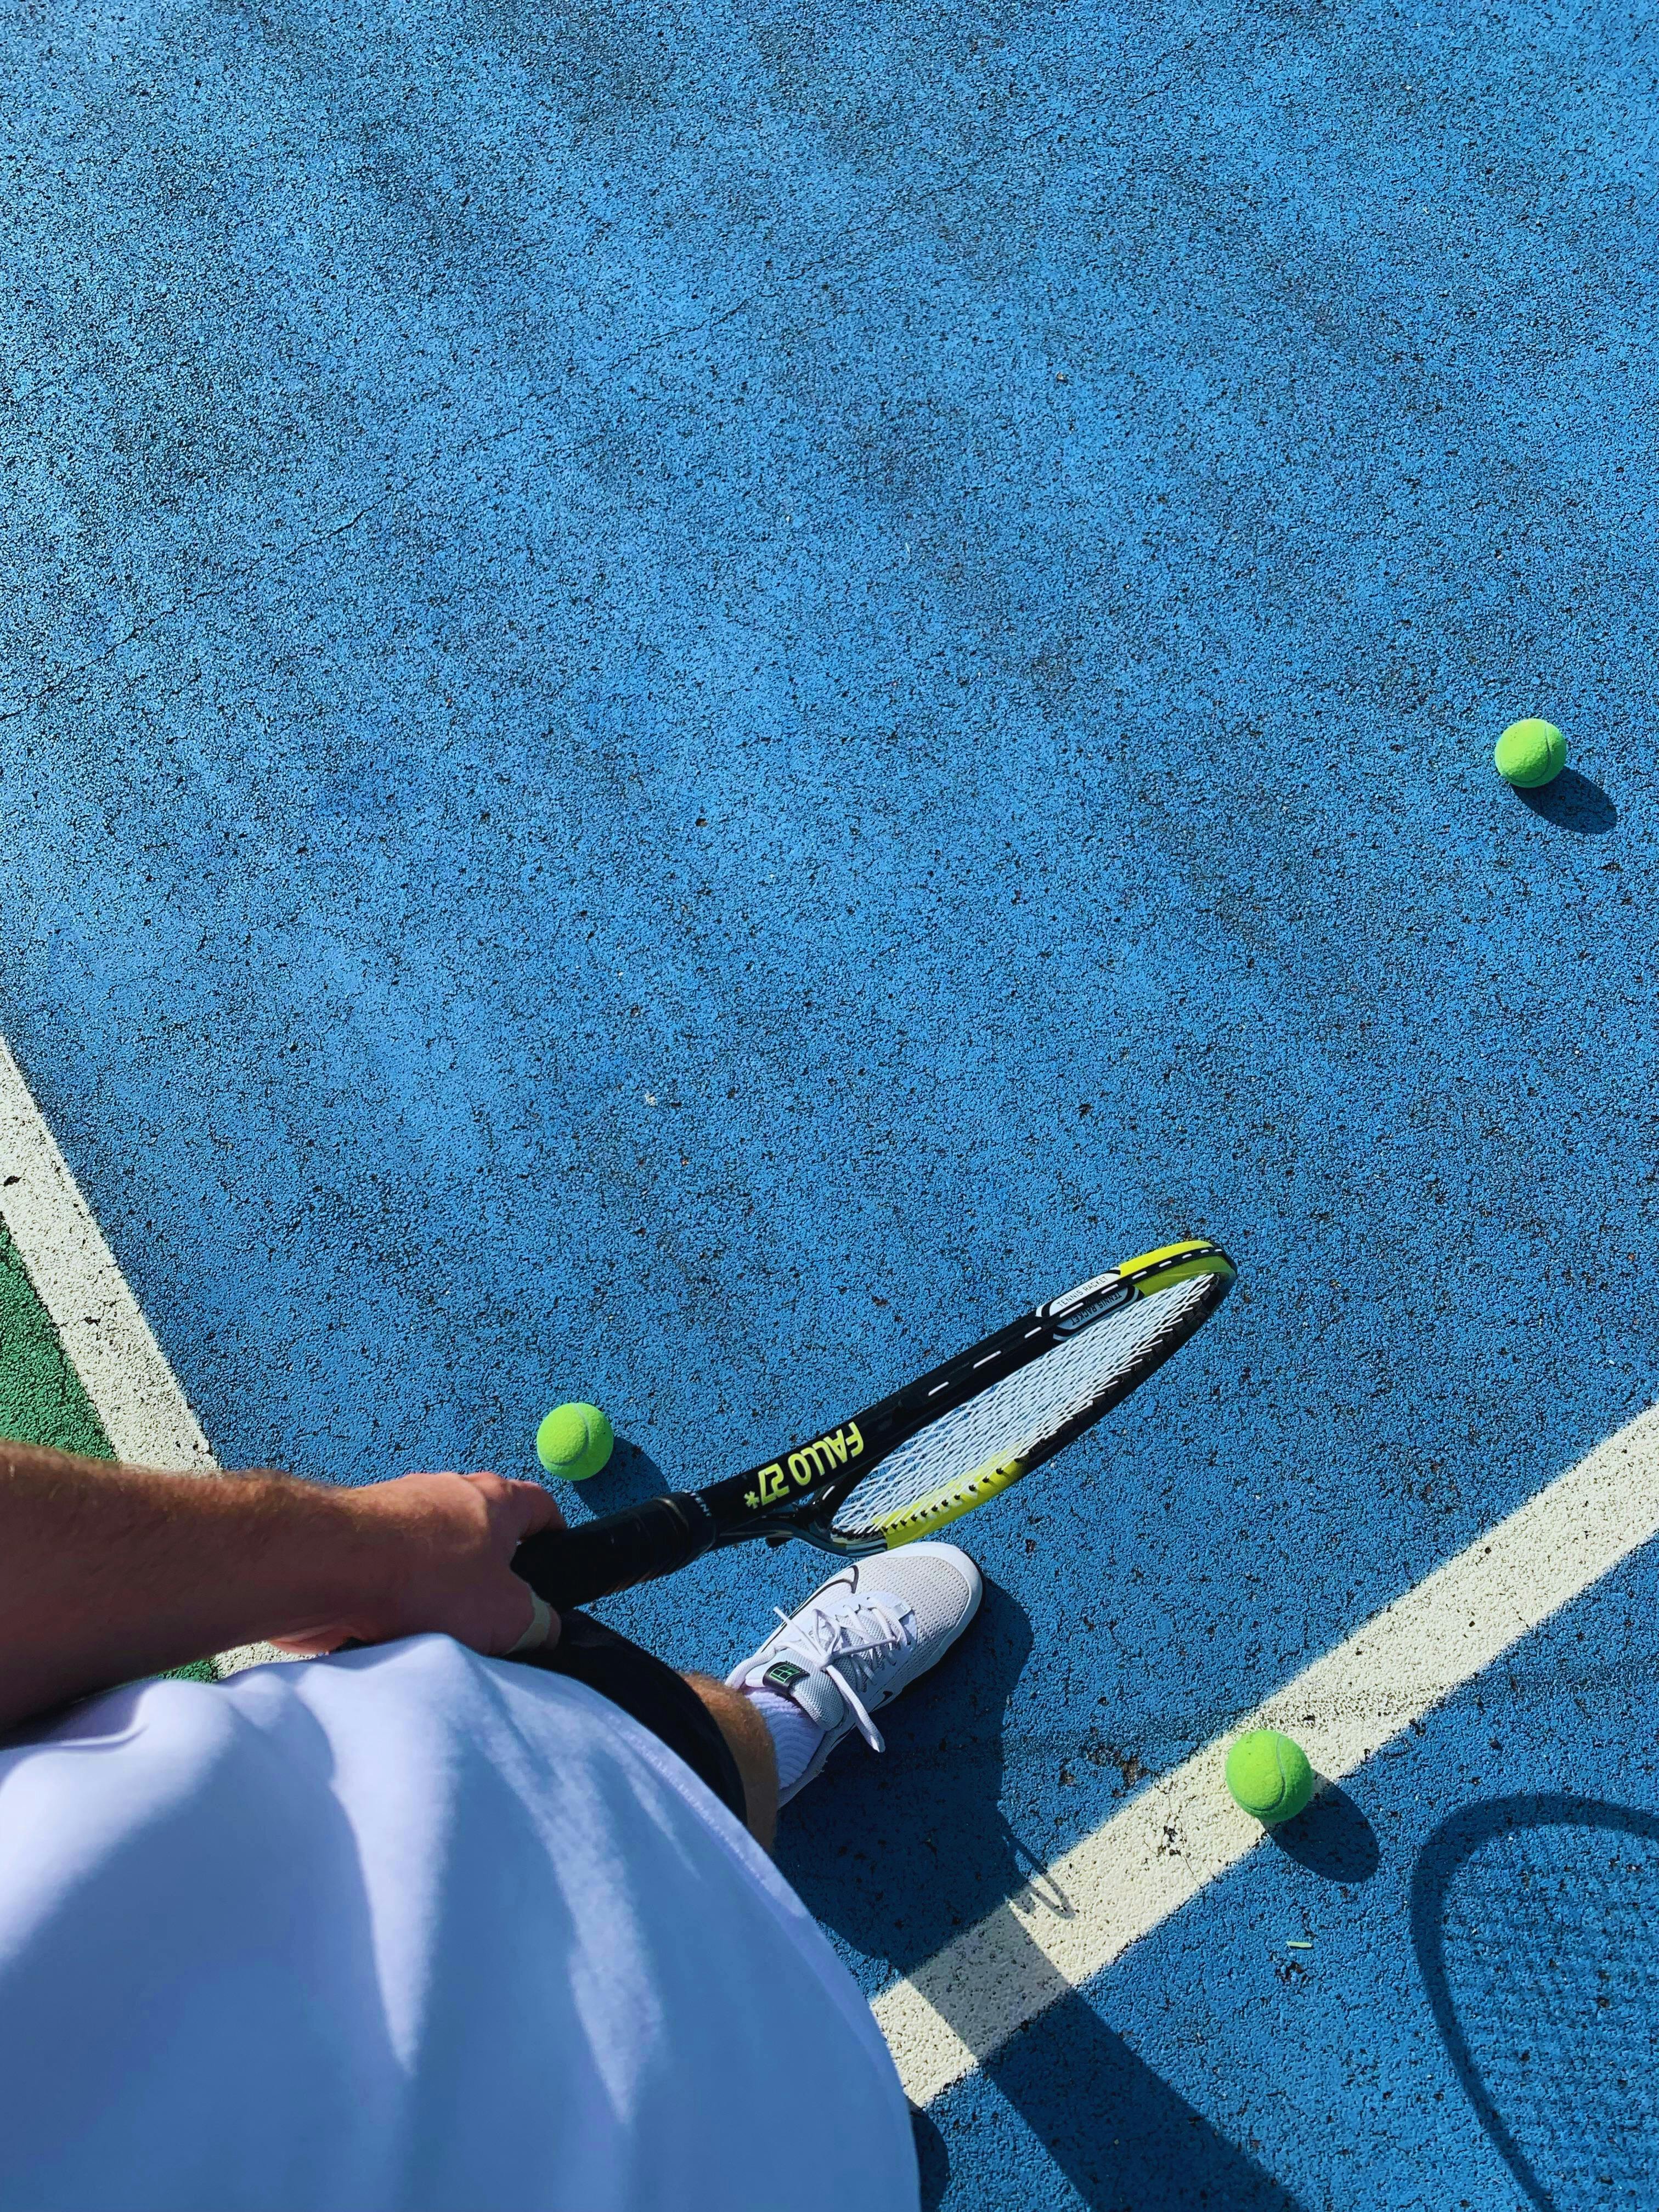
[(954, 1439)]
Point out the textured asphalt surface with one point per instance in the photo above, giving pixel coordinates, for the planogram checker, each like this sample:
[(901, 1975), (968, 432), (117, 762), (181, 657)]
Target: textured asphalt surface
[(692, 697)]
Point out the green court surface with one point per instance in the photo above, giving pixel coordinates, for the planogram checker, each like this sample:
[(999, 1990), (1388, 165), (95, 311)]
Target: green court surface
[(42, 1398)]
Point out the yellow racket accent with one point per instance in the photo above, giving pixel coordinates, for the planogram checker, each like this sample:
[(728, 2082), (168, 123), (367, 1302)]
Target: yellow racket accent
[(1152, 1270), (950, 1502), (1082, 1370)]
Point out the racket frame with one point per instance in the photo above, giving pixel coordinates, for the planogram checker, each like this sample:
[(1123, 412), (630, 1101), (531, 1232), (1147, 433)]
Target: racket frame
[(798, 1493), (816, 1478)]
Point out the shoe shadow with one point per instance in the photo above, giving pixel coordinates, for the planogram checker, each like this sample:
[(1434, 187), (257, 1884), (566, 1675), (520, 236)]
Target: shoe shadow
[(899, 1854)]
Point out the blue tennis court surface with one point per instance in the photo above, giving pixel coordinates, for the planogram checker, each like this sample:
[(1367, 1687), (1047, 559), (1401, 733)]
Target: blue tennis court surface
[(697, 696)]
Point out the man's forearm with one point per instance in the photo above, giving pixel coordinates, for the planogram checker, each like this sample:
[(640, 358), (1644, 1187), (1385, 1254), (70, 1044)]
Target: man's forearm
[(108, 1573)]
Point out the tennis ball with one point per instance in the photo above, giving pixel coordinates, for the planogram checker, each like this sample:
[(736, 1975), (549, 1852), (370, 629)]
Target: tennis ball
[(575, 1441), (1531, 753), (1269, 1775)]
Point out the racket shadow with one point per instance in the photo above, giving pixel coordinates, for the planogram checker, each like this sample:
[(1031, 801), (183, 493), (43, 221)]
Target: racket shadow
[(1532, 1919)]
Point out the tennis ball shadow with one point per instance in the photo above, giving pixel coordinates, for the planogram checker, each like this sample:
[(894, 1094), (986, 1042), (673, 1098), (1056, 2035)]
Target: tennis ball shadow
[(1572, 802), (628, 1477), (1332, 1839)]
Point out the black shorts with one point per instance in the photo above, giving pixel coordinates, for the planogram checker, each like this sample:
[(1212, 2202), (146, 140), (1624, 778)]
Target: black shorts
[(656, 1696)]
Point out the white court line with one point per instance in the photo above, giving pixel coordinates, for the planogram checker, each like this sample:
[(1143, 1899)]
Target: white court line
[(110, 1345), (1183, 1831)]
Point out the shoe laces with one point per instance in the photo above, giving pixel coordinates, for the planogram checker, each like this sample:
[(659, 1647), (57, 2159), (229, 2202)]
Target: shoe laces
[(847, 1641)]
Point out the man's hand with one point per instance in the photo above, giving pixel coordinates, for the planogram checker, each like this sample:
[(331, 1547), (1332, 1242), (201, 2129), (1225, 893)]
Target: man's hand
[(108, 1573), (433, 1553)]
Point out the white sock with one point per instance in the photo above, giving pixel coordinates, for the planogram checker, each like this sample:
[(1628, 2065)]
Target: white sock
[(795, 1734)]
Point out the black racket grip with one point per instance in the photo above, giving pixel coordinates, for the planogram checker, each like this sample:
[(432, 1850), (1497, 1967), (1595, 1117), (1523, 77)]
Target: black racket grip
[(573, 1566)]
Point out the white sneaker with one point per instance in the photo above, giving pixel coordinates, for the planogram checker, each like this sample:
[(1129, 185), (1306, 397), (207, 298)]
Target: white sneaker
[(861, 1638)]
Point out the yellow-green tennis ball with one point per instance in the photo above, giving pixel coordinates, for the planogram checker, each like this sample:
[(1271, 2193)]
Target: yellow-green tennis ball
[(1531, 753), (1269, 1775), (575, 1441)]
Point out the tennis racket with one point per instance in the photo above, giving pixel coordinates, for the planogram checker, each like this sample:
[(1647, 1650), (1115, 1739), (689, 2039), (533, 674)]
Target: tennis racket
[(916, 1460)]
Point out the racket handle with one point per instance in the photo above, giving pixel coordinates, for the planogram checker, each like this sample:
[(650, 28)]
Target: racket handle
[(573, 1566)]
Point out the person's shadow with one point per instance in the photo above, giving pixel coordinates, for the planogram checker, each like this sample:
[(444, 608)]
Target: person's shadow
[(900, 1854)]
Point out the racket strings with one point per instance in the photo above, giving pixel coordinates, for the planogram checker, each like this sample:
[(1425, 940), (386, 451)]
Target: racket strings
[(1015, 1418)]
